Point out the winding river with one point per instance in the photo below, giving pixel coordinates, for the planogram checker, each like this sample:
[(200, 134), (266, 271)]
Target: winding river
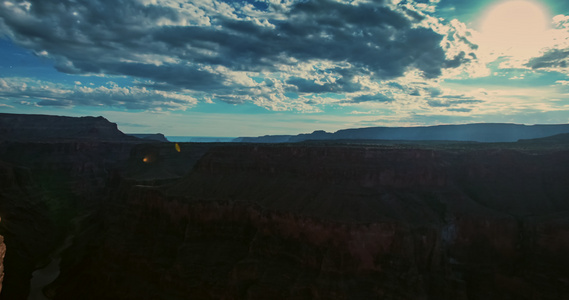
[(46, 275)]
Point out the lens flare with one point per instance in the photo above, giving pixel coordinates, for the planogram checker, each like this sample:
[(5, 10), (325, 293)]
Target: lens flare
[(514, 28)]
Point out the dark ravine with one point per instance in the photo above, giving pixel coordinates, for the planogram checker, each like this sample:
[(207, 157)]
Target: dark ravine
[(52, 169), (311, 222), (41, 278)]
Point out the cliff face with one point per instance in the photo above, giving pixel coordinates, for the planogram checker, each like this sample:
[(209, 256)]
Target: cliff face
[(2, 254), (299, 222), (19, 127), (26, 227)]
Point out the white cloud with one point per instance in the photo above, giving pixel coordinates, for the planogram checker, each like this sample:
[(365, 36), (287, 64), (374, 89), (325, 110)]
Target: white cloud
[(48, 94)]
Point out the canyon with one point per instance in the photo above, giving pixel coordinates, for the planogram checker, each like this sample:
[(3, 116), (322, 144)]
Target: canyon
[(313, 220)]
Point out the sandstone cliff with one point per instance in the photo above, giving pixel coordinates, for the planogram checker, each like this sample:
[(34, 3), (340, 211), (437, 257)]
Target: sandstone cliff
[(2, 254)]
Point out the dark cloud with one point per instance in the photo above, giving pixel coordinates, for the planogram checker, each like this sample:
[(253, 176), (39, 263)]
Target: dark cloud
[(308, 86), (372, 98), (181, 48), (554, 58), (448, 101), (462, 109), (457, 61)]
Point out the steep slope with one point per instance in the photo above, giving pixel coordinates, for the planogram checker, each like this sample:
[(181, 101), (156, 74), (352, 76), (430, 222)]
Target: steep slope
[(54, 171), (28, 231)]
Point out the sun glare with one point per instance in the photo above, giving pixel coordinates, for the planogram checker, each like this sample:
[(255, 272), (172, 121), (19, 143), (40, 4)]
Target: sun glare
[(514, 28)]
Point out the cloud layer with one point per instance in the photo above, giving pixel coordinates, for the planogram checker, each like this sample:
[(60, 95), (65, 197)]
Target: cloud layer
[(261, 52), (39, 93)]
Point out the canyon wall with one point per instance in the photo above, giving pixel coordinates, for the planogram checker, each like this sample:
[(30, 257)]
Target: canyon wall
[(310, 222), (44, 186)]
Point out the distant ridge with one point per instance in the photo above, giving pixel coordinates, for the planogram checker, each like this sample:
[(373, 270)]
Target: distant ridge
[(477, 132), (200, 139), (23, 127), (150, 136), (557, 138)]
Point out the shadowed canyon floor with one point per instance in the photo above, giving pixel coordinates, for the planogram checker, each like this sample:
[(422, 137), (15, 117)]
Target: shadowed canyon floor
[(316, 220)]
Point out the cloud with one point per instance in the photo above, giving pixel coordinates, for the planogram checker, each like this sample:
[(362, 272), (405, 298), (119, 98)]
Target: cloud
[(552, 59), (463, 109), (215, 47), (555, 53), (452, 102), (372, 98), (41, 93)]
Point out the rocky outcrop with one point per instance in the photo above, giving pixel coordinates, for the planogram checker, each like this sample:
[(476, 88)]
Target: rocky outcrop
[(310, 222), (20, 127), (26, 226), (2, 254)]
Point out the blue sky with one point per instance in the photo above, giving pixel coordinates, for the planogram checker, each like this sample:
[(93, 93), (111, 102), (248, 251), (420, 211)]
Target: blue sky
[(248, 68)]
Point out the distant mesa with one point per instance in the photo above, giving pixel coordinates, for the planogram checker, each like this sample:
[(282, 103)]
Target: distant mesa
[(557, 138), (478, 132), (150, 136), (24, 127), (265, 139)]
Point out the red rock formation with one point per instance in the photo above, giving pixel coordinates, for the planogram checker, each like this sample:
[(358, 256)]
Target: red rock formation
[(2, 254)]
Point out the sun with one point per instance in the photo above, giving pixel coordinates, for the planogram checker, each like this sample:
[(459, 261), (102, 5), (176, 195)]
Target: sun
[(514, 28)]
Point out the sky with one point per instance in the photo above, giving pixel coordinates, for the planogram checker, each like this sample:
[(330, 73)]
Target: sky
[(256, 67)]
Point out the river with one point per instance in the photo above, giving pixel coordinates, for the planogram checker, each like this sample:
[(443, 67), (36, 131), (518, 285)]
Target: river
[(46, 275)]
